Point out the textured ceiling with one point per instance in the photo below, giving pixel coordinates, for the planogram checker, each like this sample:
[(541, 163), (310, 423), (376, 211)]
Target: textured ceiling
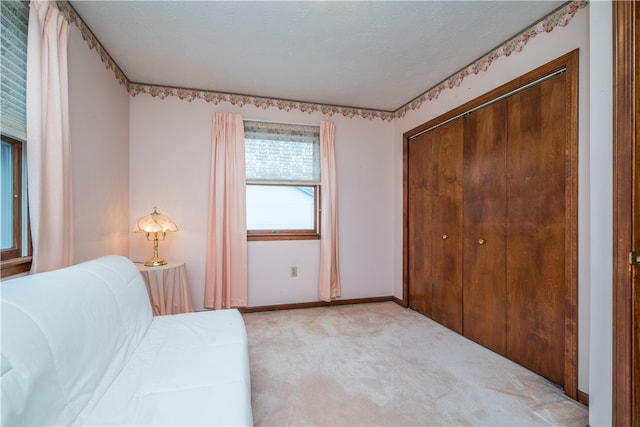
[(377, 55)]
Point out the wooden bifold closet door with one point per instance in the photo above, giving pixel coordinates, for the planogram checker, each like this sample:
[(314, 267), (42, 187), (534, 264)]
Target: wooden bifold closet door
[(420, 194), (485, 214), (487, 225), (435, 215), (446, 219), (536, 182)]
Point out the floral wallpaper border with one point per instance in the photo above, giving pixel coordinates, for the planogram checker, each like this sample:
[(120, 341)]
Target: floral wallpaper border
[(241, 100), (559, 18), (72, 17)]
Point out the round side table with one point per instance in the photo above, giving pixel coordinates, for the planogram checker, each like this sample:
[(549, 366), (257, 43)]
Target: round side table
[(168, 288)]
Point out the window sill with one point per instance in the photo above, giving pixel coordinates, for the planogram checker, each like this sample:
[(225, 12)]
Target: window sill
[(14, 266), (253, 236)]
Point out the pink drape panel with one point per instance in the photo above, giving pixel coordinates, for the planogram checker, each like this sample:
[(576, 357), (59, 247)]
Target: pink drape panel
[(48, 151), (226, 269), (329, 275)]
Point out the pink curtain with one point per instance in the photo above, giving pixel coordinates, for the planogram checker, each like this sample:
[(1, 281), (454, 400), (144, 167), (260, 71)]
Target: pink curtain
[(48, 151), (329, 275), (226, 262)]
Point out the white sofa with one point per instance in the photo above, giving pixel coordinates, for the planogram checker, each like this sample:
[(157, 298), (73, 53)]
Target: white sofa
[(81, 347)]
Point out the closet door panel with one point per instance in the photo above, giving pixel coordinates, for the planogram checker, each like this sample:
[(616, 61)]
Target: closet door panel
[(420, 200), (484, 227), (447, 224), (536, 161)]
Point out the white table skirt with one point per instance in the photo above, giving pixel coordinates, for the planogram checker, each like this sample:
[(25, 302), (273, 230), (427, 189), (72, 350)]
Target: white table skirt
[(168, 288)]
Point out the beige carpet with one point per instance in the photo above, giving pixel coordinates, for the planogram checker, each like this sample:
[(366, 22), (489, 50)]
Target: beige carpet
[(381, 364)]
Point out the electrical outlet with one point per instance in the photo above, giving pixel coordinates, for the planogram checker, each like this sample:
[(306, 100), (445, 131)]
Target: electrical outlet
[(294, 271)]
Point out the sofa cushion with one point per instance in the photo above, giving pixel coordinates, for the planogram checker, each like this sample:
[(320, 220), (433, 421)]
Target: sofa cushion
[(190, 369), (66, 335)]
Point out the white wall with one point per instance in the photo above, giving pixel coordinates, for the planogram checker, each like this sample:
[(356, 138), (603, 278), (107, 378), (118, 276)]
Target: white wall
[(170, 165), (539, 50), (99, 129), (599, 259)]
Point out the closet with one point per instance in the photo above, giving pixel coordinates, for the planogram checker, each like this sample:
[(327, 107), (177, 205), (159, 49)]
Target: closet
[(491, 228)]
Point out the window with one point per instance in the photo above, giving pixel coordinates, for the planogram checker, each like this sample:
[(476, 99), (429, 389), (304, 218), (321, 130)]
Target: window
[(283, 181), (13, 69), (11, 203)]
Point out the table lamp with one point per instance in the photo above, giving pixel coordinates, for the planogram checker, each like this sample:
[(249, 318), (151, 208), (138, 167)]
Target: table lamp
[(156, 226)]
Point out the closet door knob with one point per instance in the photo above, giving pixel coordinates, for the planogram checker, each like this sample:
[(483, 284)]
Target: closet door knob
[(445, 236), (482, 242)]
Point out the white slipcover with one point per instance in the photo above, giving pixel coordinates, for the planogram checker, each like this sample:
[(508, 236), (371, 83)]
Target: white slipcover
[(80, 347)]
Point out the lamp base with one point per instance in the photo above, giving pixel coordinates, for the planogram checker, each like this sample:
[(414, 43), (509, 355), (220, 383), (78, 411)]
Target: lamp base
[(155, 262)]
